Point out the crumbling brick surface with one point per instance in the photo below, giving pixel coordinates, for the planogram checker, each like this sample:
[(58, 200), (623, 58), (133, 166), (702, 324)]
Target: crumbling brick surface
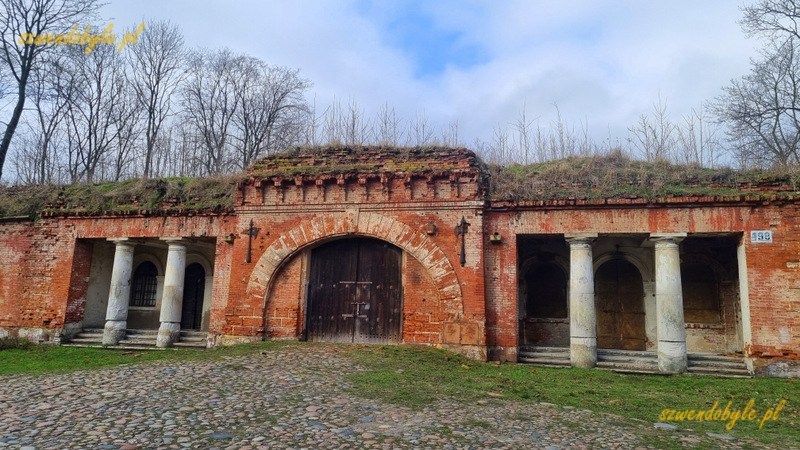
[(412, 200)]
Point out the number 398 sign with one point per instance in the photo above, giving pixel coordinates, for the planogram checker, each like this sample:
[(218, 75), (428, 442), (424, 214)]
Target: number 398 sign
[(761, 236)]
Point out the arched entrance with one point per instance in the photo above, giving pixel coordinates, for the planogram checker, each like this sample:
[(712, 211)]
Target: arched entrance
[(193, 293), (619, 301), (354, 292)]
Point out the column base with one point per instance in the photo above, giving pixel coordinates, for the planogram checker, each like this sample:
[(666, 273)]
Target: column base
[(168, 334), (672, 357), (583, 352), (114, 331)]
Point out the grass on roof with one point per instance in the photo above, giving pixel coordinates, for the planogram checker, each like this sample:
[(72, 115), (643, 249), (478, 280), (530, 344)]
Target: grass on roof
[(615, 175), (179, 194)]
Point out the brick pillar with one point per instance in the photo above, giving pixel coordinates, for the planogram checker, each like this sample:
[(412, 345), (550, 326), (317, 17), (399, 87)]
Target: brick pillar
[(119, 293), (669, 304), (172, 298), (582, 316)]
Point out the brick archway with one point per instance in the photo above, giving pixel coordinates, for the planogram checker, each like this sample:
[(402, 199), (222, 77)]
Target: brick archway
[(418, 245)]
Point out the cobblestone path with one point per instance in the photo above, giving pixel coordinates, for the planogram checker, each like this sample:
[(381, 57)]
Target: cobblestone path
[(295, 397)]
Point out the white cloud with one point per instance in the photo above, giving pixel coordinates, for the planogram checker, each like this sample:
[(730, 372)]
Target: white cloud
[(605, 62)]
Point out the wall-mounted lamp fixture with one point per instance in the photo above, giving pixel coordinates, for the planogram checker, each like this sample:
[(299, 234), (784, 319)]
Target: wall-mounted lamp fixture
[(228, 239), (430, 229), (495, 238)]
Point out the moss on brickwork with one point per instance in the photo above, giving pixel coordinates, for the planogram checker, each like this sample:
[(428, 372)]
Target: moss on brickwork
[(155, 196), (618, 176)]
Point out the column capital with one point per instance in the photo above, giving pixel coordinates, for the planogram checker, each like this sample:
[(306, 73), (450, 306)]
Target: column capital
[(173, 240), (121, 241), (674, 238), (580, 238)]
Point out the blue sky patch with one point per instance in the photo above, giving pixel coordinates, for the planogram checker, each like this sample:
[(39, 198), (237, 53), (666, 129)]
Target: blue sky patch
[(408, 27)]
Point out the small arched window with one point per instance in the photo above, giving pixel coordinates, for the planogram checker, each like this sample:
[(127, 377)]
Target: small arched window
[(143, 290)]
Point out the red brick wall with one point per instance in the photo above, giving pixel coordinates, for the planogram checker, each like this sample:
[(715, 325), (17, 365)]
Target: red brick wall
[(46, 263), (79, 281), (773, 270)]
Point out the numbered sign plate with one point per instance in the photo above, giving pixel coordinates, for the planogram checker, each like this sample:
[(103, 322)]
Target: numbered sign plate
[(761, 236)]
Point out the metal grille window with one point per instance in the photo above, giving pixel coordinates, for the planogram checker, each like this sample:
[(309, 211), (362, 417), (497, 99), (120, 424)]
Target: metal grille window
[(143, 291)]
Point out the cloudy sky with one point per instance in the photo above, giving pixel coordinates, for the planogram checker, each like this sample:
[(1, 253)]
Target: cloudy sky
[(481, 62)]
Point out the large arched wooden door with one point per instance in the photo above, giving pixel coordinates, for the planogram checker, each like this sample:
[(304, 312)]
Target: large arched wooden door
[(354, 292), (619, 299)]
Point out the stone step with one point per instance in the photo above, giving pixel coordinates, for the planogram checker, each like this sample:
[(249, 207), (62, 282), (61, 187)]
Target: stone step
[(628, 368), (138, 341), (712, 357), (543, 360), (142, 333), (622, 359), (727, 373), (86, 340), (618, 352), (202, 340), (559, 350), (92, 330), (98, 336)]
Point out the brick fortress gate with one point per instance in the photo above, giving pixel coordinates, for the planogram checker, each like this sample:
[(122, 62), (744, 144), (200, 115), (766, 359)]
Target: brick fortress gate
[(407, 246)]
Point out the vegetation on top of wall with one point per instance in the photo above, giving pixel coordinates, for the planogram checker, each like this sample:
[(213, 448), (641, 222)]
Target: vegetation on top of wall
[(338, 160), (616, 175), (212, 194)]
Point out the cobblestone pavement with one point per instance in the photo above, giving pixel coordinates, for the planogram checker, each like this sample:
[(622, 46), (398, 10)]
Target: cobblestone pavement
[(295, 397)]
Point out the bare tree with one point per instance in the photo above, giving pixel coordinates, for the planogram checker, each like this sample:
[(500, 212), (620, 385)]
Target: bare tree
[(96, 92), (450, 136), (45, 128), (268, 97), (389, 126), (762, 109), (34, 18), (523, 127), (421, 131), (698, 140), (156, 67), (775, 18), (332, 123), (653, 136), (209, 103)]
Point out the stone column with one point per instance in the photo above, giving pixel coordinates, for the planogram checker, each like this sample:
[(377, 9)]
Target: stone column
[(671, 329), (119, 293), (172, 298), (582, 317)]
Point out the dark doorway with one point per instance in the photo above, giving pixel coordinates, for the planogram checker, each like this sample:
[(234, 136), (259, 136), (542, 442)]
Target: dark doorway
[(355, 292), (194, 285), (619, 299), (547, 292)]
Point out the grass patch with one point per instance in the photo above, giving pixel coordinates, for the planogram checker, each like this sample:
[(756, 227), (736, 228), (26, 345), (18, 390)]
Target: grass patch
[(616, 175), (417, 377), (57, 359), (215, 194)]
